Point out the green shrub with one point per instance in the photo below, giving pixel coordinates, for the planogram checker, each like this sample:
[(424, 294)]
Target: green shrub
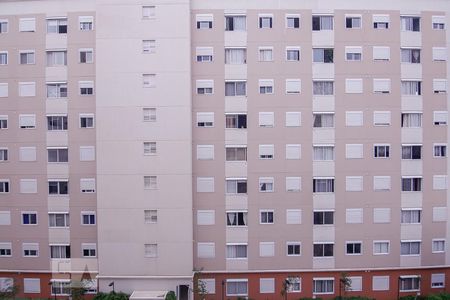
[(171, 296)]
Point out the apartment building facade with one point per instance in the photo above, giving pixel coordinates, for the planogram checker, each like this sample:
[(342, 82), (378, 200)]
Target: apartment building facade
[(261, 146)]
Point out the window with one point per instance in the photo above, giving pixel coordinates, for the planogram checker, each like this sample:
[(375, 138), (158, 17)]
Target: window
[(440, 86), (237, 218), (353, 248), (323, 88), (204, 21), (380, 283), (149, 46), (148, 12), (381, 53), (206, 217), (205, 87), (293, 184), (380, 21), (438, 22), (323, 249), (353, 151), (151, 250), (86, 23), (86, 56), (323, 185), (235, 56), (353, 22), (412, 152), (265, 53), (204, 54), (292, 21), (323, 120), (409, 283), (205, 119), (439, 182), (89, 250), (438, 246), (266, 119), (381, 183), (411, 184), (3, 154), (324, 152), (236, 185), (410, 23), (3, 58), (27, 121), (266, 86), (58, 220), (265, 21), (3, 90), (86, 121), (59, 251), (57, 90), (440, 118), (323, 217), (381, 151), (323, 286), (206, 250), (382, 86), (205, 152), (3, 26), (293, 119), (150, 182), (293, 86), (439, 150), (410, 248), (149, 148), (87, 218), (323, 55), (27, 89), (410, 56), (57, 25), (56, 123), (322, 23), (236, 153), (293, 151), (266, 184), (354, 215), (27, 154), (56, 58), (266, 151), (354, 118), (266, 249), (87, 185), (30, 249), (237, 287), (353, 53), (293, 216), (148, 80), (235, 23), (3, 122), (411, 216), (236, 121), (27, 57), (293, 248), (236, 251), (381, 118), (266, 217), (27, 24), (58, 154), (61, 287), (5, 218), (439, 54), (28, 186), (292, 53), (235, 88), (5, 250), (411, 119), (267, 285), (149, 114), (354, 183), (380, 247), (353, 86), (205, 184), (29, 218), (438, 280), (58, 187), (4, 186)]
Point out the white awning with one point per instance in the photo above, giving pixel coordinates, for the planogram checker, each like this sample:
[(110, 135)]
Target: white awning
[(148, 295)]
